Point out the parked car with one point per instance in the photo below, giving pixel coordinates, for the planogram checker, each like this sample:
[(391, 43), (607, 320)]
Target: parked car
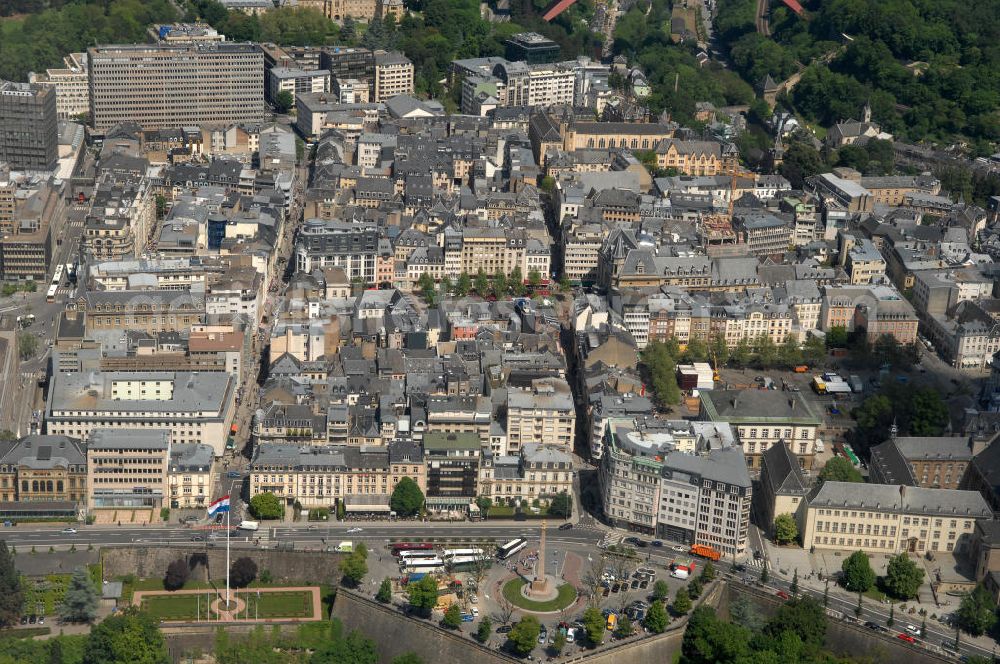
[(467, 617), (234, 474), (475, 612), (473, 599), (543, 635), (504, 629), (906, 637)]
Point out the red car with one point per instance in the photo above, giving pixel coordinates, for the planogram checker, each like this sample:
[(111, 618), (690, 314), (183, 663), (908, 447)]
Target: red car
[(906, 637), (782, 594)]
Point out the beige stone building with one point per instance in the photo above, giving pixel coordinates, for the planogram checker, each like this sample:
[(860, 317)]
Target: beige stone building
[(190, 476), (393, 75), (43, 469), (539, 472), (763, 418), (127, 469), (884, 518), (543, 414)]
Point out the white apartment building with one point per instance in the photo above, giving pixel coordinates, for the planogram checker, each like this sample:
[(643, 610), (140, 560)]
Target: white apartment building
[(127, 469), (543, 414), (70, 82), (296, 81), (393, 75)]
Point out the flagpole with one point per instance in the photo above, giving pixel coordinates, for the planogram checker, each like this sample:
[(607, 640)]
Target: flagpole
[(228, 532)]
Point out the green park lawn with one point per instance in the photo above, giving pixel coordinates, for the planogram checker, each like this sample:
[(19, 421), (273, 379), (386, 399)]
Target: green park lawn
[(512, 591), (292, 604)]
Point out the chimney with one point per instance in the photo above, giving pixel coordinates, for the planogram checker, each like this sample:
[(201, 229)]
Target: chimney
[(791, 404), (902, 492)]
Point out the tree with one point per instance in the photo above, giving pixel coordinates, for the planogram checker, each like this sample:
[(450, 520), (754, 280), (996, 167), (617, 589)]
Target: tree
[(504, 610), (481, 283), (902, 577), (266, 506), (593, 626), (785, 529), (977, 611), (839, 469), (425, 284), (161, 206), (517, 282), (534, 278), (802, 615), (500, 285), (80, 601), (656, 618), (11, 593), (408, 658), (547, 184), (525, 634), (661, 590), (624, 627), (463, 284), (484, 503), (682, 601), (355, 648), (354, 567), (837, 337), (858, 573), (283, 102), (743, 612), (892, 616), (558, 643), (423, 594), (243, 572), (129, 637), (407, 498), (561, 506), (484, 630), (177, 574), (384, 594), (694, 588), (795, 582), (764, 576), (452, 617), (27, 345)]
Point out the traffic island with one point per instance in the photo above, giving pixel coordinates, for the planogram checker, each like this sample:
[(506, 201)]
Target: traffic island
[(561, 596)]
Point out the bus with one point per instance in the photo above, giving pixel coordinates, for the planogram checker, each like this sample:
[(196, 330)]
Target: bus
[(511, 547), (451, 553), (469, 563), (426, 565), (51, 295), (399, 547), (57, 276), (416, 555)]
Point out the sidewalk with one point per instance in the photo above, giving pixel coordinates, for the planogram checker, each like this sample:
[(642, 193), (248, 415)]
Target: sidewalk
[(784, 561)]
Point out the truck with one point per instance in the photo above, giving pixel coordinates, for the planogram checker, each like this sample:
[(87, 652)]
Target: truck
[(249, 525), (857, 386), (705, 551), (345, 547)]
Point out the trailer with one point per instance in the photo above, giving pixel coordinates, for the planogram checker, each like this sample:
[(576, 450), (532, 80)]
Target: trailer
[(857, 386)]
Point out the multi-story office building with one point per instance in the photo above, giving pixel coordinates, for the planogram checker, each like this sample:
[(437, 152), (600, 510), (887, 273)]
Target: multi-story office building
[(194, 407), (149, 311), (32, 217), (521, 84), (452, 461), (190, 476), (347, 245), (71, 85), (885, 518), (763, 418), (543, 413), (532, 48), (705, 499), (296, 81), (357, 63), (173, 85), (393, 75), (127, 469), (29, 135), (47, 469)]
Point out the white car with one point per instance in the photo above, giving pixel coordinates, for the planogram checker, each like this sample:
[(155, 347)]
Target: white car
[(473, 599), (475, 612), (353, 530), (571, 635), (69, 531), (915, 631)]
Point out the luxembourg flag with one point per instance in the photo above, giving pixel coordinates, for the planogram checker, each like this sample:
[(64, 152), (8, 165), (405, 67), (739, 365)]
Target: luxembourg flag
[(221, 505)]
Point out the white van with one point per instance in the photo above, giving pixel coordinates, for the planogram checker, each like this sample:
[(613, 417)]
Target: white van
[(249, 525)]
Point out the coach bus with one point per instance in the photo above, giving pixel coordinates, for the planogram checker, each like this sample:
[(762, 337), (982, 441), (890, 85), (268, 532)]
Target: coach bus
[(511, 547), (399, 547), (452, 553), (426, 565), (468, 563)]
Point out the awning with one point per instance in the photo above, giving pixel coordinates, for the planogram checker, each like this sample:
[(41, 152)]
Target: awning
[(367, 503)]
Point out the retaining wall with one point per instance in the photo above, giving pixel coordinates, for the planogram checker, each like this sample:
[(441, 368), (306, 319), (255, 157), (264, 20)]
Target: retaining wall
[(299, 567)]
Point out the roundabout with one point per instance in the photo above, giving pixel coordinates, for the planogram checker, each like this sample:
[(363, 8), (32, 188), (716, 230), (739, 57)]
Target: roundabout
[(516, 591)]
